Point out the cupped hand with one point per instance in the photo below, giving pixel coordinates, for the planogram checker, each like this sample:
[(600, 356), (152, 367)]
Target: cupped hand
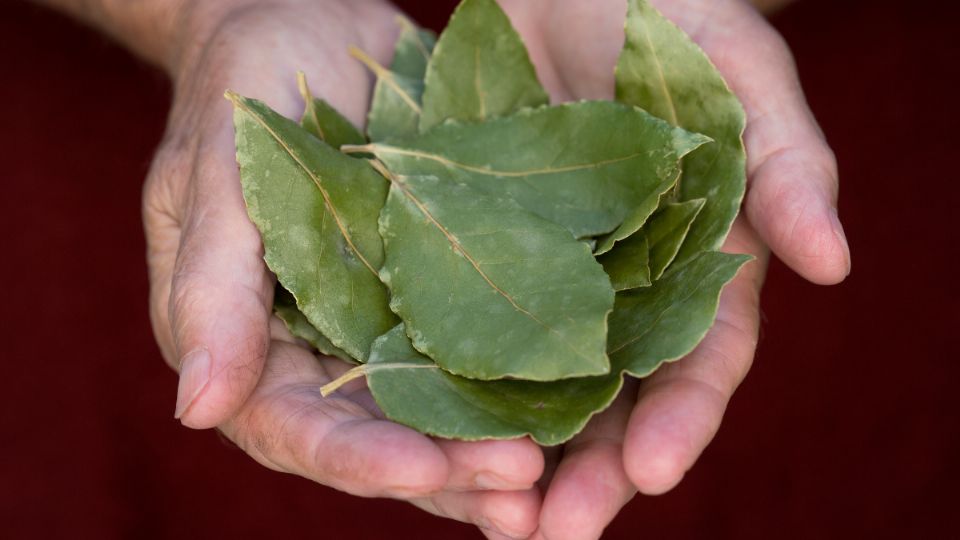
[(651, 436), (211, 294)]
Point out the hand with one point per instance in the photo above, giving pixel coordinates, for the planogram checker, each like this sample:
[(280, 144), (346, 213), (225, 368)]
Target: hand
[(649, 439), (211, 294)]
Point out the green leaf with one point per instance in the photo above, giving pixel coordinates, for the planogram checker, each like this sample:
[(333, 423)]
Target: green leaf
[(479, 68), (665, 321), (661, 70), (489, 290), (642, 257), (586, 166), (316, 210), (666, 231), (395, 107), (324, 122), (412, 50), (628, 264), (410, 389), (638, 216), (285, 306)]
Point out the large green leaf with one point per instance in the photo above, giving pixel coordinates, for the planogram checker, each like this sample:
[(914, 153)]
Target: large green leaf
[(324, 122), (661, 70), (665, 321), (628, 265), (479, 68), (586, 166), (316, 210), (285, 306), (395, 107), (412, 50), (666, 231), (489, 290), (410, 389)]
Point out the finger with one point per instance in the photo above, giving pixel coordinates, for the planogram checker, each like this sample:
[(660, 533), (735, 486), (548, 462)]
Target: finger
[(793, 181), (492, 465), (220, 295), (590, 485), (679, 407), (498, 514), (286, 425)]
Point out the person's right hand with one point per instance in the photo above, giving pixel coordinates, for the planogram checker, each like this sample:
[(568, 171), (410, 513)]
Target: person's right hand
[(211, 293)]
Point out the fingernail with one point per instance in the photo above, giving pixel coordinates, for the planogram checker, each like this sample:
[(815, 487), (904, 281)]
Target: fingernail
[(493, 525), (841, 236), (486, 480), (194, 374)]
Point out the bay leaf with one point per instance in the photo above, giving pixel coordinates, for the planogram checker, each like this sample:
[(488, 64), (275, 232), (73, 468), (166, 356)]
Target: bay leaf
[(479, 68), (489, 290), (285, 307), (637, 216), (586, 165), (663, 71), (316, 210), (410, 389), (665, 321), (628, 265), (324, 122), (395, 106), (412, 50), (666, 231)]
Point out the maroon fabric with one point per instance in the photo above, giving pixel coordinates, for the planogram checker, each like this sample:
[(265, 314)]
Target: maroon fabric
[(846, 427)]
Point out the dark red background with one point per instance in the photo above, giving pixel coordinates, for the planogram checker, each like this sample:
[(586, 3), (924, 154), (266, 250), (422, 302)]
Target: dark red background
[(846, 427)]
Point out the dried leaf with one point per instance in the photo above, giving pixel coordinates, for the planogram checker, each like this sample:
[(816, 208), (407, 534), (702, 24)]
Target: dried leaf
[(479, 68), (663, 71), (489, 290), (316, 210), (410, 389), (586, 166)]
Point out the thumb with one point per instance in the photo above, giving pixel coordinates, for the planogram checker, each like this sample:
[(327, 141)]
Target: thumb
[(220, 299)]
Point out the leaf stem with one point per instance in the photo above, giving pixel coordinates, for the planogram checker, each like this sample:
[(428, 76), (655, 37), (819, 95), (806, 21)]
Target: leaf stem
[(351, 374)]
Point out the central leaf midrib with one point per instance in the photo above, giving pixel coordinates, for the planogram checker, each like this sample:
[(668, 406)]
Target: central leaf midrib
[(375, 148)]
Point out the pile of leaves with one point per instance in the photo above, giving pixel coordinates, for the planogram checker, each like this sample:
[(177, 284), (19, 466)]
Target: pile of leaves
[(494, 264)]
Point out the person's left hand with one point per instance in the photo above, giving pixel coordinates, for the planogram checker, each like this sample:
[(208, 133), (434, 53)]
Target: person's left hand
[(656, 429)]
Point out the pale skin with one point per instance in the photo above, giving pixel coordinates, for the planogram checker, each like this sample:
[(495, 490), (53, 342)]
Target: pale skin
[(241, 371)]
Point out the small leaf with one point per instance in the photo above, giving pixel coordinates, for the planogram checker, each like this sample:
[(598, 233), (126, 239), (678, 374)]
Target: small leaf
[(666, 231), (323, 121), (489, 290), (665, 321), (479, 68), (285, 306), (638, 215), (661, 70), (410, 389), (628, 264), (642, 257), (395, 107), (412, 50), (585, 166), (316, 211)]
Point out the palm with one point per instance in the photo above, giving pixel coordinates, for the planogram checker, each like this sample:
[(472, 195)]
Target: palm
[(211, 291), (647, 440)]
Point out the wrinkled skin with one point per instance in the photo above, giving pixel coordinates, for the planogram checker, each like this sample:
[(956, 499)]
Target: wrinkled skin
[(242, 372)]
